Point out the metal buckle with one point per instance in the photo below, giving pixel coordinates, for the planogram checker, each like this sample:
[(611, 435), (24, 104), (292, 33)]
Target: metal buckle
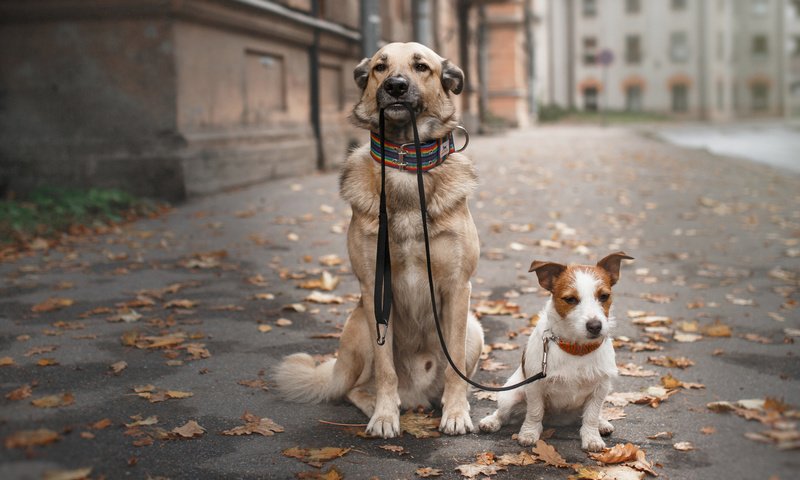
[(466, 139), (382, 328), (401, 155)]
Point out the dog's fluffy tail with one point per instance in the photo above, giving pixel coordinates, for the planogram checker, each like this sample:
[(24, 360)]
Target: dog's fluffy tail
[(300, 379)]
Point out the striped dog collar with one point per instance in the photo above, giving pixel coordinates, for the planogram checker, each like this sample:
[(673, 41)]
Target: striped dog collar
[(404, 156)]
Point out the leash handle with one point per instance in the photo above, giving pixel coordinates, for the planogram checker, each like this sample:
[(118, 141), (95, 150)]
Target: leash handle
[(383, 262), (424, 212)]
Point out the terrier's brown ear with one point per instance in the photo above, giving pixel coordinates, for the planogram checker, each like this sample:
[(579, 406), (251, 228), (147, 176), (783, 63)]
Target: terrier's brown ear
[(547, 273), (361, 73), (611, 264)]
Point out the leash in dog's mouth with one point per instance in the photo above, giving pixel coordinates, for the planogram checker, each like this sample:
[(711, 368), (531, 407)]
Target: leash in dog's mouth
[(383, 264)]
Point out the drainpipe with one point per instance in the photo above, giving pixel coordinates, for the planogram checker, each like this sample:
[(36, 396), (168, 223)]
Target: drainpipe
[(701, 62), (463, 48), (483, 65), (530, 45), (370, 27), (316, 119)]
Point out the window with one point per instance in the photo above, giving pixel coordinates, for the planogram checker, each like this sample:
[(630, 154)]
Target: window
[(759, 7), (760, 45), (590, 99), (759, 97), (589, 50), (633, 6), (679, 4), (589, 8), (679, 47), (633, 98), (680, 98), (633, 49)]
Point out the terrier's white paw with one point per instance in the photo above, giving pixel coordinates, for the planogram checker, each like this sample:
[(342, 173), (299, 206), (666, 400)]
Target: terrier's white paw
[(592, 443), (456, 422), (385, 426), (490, 424), (527, 436), (606, 428)]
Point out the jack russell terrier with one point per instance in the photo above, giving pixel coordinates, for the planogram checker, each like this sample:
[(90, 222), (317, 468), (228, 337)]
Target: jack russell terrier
[(571, 342)]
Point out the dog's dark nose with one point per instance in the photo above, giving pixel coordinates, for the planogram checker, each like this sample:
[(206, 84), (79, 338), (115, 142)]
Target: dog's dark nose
[(395, 86), (594, 326)]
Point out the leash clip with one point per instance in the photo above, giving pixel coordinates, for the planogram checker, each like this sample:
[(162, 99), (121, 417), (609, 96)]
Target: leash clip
[(382, 328), (545, 348)]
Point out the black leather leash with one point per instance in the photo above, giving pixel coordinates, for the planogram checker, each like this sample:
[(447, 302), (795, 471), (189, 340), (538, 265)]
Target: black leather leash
[(383, 267)]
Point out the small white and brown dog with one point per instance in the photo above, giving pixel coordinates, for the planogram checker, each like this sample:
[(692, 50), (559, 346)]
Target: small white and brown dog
[(574, 329)]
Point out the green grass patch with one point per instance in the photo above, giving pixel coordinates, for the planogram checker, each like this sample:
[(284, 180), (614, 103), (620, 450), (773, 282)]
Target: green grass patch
[(555, 113), (50, 212)]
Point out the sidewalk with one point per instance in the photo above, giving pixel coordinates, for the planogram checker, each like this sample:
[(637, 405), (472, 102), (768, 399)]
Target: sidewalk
[(191, 303)]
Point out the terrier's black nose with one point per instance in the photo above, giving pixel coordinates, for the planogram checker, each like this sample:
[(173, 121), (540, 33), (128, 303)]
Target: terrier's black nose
[(594, 326), (395, 86)]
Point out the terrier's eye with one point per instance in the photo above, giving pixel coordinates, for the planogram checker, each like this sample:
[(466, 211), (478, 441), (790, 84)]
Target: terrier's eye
[(571, 300), (381, 67), (604, 297), (421, 67)]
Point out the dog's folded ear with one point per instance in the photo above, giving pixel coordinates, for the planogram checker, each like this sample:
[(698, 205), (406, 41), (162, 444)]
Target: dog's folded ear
[(361, 73), (547, 272), (452, 77), (611, 264)]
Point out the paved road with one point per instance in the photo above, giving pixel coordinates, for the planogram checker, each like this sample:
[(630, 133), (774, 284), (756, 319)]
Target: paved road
[(769, 142), (714, 240)]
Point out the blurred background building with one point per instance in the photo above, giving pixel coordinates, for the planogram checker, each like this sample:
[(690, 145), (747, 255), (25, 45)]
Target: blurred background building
[(175, 98)]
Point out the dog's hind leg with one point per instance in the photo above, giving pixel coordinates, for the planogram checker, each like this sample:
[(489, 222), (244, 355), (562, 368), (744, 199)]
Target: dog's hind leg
[(510, 404), (363, 399)]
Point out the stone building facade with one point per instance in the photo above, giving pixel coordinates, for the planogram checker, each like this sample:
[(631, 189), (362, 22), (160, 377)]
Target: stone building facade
[(172, 99), (709, 59)]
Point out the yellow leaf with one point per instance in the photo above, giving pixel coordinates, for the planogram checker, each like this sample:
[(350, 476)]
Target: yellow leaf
[(420, 425)]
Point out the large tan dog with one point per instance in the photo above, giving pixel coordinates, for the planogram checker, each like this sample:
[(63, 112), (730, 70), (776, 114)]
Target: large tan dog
[(410, 369)]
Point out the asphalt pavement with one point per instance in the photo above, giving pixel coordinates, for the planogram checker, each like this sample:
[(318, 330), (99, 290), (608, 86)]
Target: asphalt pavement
[(201, 303)]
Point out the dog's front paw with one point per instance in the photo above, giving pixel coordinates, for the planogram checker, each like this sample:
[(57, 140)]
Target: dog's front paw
[(456, 422), (606, 428), (490, 424), (527, 436), (384, 426), (591, 442)]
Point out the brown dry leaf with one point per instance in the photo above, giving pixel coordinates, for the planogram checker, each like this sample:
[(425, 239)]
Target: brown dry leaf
[(619, 453), (190, 429), (101, 424), (297, 307), (620, 399), (496, 307), (178, 394), (53, 401), (51, 304), (204, 260), (139, 422), (256, 383), (633, 370), (491, 365), (20, 393), (686, 337), (324, 298), (75, 474), (331, 260), (717, 329), (519, 459), (683, 446), (612, 413), (283, 322), (326, 282), (331, 474), (31, 438), (484, 465), (420, 424), (504, 346), (264, 296), (315, 456), (661, 436), (181, 303), (118, 367), (257, 280), (548, 454), (253, 424), (39, 350), (264, 328), (754, 337), (6, 361), (652, 321), (394, 448), (708, 430), (427, 472), (47, 362), (670, 362), (656, 297)]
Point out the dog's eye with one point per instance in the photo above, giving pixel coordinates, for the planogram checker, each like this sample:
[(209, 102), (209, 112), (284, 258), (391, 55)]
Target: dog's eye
[(571, 300), (604, 297), (381, 67), (421, 67)]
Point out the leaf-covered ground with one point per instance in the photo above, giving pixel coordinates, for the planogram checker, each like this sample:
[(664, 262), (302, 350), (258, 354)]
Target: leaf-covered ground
[(146, 352)]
